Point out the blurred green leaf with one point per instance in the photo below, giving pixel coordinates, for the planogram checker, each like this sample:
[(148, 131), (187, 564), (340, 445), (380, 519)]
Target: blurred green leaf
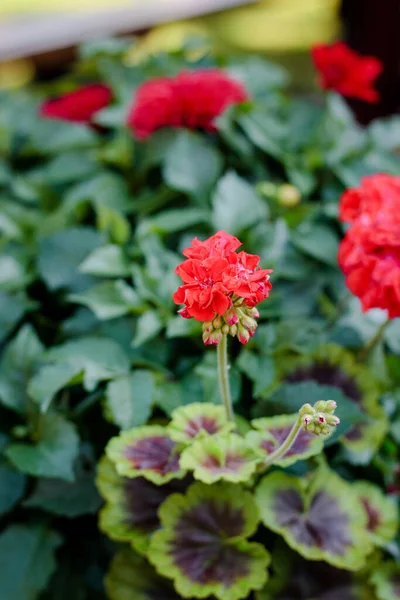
[(12, 487), (129, 399), (192, 164), (60, 255), (260, 369), (99, 358), (16, 367), (54, 452), (49, 380), (67, 498), (148, 326), (318, 241), (236, 206), (27, 560), (110, 299), (106, 261)]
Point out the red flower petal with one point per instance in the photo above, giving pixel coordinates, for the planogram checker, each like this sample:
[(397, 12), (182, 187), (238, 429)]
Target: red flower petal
[(191, 99), (78, 106), (347, 72)]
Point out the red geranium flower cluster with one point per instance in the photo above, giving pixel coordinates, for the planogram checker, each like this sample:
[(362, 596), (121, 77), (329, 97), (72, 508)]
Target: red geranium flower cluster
[(369, 254), (221, 287), (347, 72), (191, 99), (78, 106)]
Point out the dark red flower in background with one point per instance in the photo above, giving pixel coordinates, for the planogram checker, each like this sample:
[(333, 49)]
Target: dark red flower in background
[(78, 106), (347, 72), (190, 99), (369, 254)]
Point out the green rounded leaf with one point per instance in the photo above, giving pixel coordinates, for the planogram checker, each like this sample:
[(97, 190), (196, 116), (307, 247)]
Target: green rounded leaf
[(382, 512), (224, 456), (386, 582), (203, 545), (198, 419), (131, 510), (147, 452), (27, 561), (130, 577), (322, 521)]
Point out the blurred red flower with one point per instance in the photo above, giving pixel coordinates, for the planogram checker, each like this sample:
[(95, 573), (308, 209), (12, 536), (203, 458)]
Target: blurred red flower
[(190, 99), (376, 193), (78, 106), (369, 254), (347, 72)]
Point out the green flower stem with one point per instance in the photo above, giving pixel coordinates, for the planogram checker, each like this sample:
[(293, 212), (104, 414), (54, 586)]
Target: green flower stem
[(223, 377), (285, 446), (373, 341)]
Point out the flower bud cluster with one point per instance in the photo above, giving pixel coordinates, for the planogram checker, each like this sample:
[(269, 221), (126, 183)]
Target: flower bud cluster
[(319, 419), (238, 321)]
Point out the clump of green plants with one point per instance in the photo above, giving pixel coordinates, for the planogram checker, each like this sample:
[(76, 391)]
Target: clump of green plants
[(221, 427)]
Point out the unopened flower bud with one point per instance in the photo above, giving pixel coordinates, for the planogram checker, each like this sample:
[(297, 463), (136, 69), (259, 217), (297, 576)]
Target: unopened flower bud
[(305, 409), (267, 189), (184, 313), (233, 330), (288, 195), (318, 419), (207, 326), (217, 322), (253, 312), (212, 338), (249, 323), (225, 329), (243, 334), (231, 317), (330, 406)]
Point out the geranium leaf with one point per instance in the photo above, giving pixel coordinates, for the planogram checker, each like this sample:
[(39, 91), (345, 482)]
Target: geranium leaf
[(386, 581), (27, 560), (146, 452), (324, 522), (131, 577), (52, 455), (131, 510), (203, 545), (198, 419), (381, 510), (224, 456)]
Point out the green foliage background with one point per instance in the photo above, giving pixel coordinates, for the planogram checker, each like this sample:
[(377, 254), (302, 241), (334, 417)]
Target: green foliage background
[(92, 224)]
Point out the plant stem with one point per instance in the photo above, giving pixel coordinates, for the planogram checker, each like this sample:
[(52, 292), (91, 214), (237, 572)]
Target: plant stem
[(285, 446), (223, 376), (374, 340)]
